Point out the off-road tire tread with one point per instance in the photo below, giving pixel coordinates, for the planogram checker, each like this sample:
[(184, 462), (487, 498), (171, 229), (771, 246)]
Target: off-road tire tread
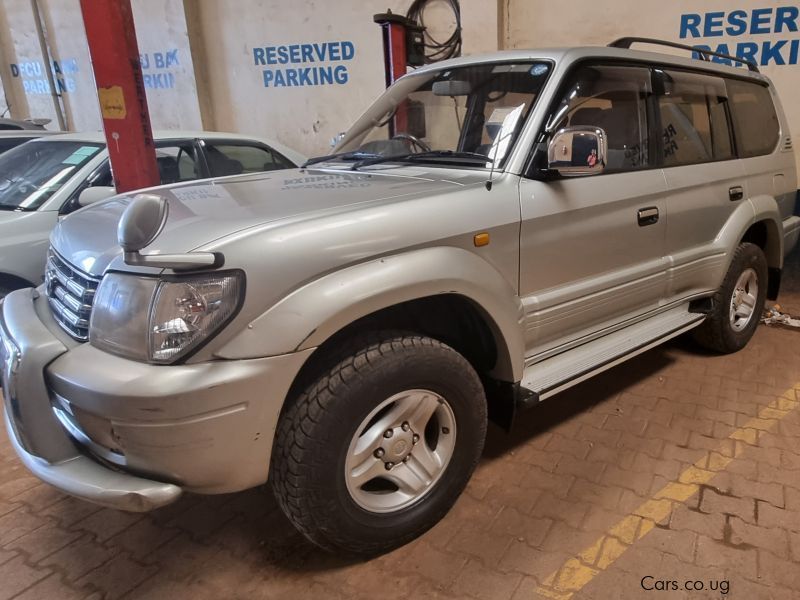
[(711, 334), (292, 486)]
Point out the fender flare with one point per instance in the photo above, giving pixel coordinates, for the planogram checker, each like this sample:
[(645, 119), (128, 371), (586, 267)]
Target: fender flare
[(311, 314), (756, 209), (765, 208)]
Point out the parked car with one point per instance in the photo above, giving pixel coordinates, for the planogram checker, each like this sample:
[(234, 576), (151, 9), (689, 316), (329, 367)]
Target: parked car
[(12, 139), (20, 124), (49, 178), (492, 230)]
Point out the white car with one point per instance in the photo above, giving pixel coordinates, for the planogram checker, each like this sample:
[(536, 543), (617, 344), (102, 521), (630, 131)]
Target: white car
[(45, 179), (11, 139)]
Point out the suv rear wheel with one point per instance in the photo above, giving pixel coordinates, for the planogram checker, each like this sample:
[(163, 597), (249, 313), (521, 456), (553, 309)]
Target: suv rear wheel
[(738, 304), (377, 449)]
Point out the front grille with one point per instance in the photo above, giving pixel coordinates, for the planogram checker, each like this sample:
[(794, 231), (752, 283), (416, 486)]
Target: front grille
[(70, 293)]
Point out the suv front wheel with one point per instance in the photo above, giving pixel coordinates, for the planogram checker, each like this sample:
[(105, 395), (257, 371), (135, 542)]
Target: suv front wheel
[(738, 304), (376, 450)]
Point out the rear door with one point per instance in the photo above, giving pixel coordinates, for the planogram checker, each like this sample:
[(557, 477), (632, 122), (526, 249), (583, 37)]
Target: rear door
[(704, 176)]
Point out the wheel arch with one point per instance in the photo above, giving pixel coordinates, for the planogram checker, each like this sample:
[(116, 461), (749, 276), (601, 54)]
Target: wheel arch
[(436, 287)]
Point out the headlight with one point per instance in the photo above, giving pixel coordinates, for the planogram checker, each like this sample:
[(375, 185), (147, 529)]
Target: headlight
[(161, 320)]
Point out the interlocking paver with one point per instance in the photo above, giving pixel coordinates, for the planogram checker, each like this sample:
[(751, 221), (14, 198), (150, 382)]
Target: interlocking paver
[(476, 581), (17, 523), (712, 501), (117, 577), (80, 557), (16, 576), (43, 541), (54, 587)]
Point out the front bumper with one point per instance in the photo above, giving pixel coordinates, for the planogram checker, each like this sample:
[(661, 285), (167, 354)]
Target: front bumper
[(131, 435)]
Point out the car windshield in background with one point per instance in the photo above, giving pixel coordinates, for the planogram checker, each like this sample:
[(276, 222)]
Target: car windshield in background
[(449, 116), (31, 173)]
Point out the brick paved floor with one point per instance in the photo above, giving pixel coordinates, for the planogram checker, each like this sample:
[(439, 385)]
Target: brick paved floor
[(573, 468)]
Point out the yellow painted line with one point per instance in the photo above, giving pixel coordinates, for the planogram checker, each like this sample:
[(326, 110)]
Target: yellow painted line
[(580, 569)]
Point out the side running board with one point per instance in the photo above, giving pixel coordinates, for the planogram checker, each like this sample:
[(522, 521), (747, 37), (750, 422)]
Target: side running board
[(544, 379)]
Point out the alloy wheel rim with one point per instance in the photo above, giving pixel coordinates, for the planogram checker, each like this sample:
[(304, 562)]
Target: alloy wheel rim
[(400, 450), (743, 299)]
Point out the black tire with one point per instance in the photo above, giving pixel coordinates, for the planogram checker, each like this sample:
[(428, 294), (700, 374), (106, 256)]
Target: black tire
[(316, 429), (717, 332)]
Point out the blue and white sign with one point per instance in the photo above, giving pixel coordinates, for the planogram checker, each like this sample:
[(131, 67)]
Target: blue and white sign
[(158, 69), (34, 77), (305, 64), (778, 24)]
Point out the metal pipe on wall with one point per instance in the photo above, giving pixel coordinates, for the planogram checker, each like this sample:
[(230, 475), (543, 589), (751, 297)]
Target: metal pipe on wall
[(48, 65)]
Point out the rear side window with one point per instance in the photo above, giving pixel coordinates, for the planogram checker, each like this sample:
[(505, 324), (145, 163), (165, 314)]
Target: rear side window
[(234, 159), (693, 118), (755, 121)]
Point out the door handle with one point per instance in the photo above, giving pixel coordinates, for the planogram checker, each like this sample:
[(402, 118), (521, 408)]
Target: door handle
[(736, 193), (647, 216)]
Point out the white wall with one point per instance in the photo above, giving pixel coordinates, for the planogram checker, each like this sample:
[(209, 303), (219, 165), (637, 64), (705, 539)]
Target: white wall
[(167, 65), (233, 34)]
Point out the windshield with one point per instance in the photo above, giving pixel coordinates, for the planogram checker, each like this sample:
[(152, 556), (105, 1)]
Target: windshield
[(477, 109), (32, 172)]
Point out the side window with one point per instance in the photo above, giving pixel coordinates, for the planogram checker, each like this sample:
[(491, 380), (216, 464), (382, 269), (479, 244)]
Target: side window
[(613, 98), (693, 118), (234, 159), (104, 176), (755, 122), (9, 143), (177, 162)]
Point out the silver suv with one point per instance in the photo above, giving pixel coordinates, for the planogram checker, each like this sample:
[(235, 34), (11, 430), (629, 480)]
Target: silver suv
[(493, 230)]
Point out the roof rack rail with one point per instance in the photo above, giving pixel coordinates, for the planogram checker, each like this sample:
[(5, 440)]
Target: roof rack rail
[(704, 54)]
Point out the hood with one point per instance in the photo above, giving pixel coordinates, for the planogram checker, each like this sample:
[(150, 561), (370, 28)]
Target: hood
[(205, 211), (12, 215)]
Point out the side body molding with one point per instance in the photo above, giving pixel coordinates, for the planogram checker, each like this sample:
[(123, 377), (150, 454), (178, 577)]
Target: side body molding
[(311, 314)]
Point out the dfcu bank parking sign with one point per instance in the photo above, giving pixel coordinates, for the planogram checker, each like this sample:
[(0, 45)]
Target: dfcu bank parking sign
[(299, 65), (778, 24)]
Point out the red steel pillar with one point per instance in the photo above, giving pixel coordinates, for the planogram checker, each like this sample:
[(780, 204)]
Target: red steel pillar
[(120, 90), (395, 57)]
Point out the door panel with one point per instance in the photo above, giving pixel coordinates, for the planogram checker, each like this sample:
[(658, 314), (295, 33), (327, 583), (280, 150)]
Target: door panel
[(699, 205), (586, 262)]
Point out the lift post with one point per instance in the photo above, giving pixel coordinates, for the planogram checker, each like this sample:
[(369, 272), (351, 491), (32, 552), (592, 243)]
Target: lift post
[(111, 35), (402, 47)]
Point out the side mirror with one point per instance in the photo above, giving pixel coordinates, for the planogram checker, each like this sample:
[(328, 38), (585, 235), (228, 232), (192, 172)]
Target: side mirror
[(141, 223), (94, 194), (578, 151)]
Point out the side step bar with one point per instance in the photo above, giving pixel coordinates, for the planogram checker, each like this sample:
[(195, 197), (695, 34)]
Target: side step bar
[(544, 379)]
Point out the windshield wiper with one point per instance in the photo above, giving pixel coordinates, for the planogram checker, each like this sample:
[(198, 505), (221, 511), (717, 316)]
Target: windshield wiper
[(355, 155), (433, 154)]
